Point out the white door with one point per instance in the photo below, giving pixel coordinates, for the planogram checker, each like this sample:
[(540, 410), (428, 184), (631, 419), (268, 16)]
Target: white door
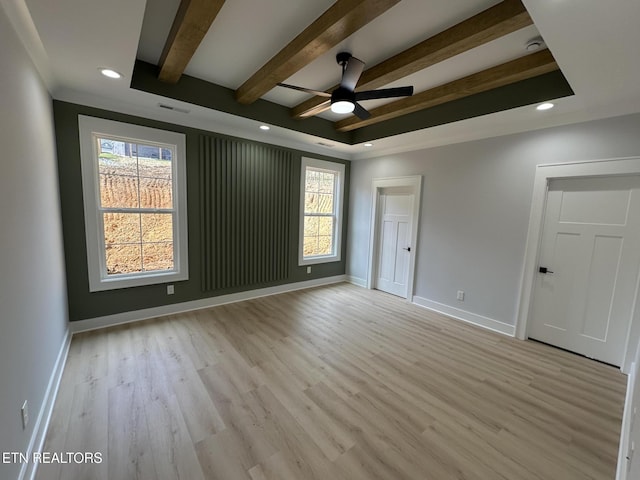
[(394, 234), (591, 250)]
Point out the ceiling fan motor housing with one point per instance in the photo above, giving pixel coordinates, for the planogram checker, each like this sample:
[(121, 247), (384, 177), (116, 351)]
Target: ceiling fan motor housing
[(342, 58), (342, 94)]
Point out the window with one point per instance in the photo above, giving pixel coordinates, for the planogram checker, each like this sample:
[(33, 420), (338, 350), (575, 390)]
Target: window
[(134, 187), (322, 191)]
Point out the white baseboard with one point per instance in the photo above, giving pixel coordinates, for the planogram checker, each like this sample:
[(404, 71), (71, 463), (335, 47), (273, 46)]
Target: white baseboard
[(137, 315), (360, 282), (36, 444), (469, 317)]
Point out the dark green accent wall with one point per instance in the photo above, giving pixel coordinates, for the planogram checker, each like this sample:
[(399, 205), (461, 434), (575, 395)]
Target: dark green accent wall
[(282, 204), (245, 208)]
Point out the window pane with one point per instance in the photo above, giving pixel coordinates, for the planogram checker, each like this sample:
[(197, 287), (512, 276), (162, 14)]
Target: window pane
[(310, 246), (325, 226), (123, 259), (167, 154), (155, 193), (327, 183), (157, 227), (115, 158), (311, 203), (118, 191), (310, 226), (154, 166), (318, 236), (325, 204), (325, 245), (157, 256), (121, 228), (312, 179)]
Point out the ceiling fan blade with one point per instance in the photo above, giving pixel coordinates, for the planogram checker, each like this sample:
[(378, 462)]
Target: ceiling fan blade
[(352, 74), (385, 93), (306, 90), (361, 112)]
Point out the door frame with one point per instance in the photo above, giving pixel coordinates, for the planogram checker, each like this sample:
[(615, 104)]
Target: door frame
[(544, 174), (414, 183)]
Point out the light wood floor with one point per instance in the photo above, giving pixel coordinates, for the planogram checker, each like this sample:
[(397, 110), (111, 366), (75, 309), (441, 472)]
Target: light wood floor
[(332, 383)]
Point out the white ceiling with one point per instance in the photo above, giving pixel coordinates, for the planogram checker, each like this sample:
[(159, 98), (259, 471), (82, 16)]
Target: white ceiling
[(593, 42)]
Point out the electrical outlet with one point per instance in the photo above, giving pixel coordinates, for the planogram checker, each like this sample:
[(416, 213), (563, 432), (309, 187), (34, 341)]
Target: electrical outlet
[(25, 414), (170, 290), (461, 295), (308, 269)]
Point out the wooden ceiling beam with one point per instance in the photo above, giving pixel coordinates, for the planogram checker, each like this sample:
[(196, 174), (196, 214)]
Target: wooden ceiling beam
[(191, 24), (511, 72), (495, 22), (341, 20)]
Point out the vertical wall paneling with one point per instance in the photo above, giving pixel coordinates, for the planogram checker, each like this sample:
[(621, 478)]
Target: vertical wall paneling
[(245, 208)]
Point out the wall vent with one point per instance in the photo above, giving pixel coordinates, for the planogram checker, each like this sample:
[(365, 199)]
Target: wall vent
[(175, 109)]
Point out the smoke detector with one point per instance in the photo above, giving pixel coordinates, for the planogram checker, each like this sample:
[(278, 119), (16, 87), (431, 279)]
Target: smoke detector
[(535, 44)]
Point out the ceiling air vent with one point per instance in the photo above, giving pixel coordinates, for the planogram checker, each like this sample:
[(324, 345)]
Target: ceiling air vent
[(175, 109)]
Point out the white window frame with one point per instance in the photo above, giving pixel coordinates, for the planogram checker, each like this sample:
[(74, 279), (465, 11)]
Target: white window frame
[(337, 207), (91, 128)]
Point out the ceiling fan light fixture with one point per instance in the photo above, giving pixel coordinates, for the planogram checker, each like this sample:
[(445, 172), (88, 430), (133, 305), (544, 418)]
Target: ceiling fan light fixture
[(343, 106)]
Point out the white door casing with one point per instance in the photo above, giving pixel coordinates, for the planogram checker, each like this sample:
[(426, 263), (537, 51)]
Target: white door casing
[(544, 174), (589, 245), (411, 185), (394, 240)]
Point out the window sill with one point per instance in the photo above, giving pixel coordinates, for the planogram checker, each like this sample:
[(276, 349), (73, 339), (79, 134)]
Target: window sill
[(316, 260), (101, 285)]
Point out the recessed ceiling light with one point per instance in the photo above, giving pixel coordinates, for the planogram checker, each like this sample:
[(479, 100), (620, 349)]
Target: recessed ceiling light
[(545, 106), (107, 72), (265, 127), (368, 144)]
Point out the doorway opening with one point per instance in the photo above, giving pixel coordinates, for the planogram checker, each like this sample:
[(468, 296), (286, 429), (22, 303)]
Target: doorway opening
[(394, 233)]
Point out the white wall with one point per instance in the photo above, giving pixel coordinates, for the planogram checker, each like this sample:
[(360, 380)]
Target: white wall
[(33, 318), (475, 208)]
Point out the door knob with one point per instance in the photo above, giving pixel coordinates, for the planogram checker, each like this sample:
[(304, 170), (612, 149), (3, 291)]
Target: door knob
[(544, 270), (408, 249)]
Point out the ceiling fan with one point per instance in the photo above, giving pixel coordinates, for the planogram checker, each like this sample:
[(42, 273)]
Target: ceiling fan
[(344, 99)]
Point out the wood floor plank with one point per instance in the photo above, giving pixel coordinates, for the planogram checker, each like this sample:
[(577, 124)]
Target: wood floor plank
[(331, 438), (174, 455), (120, 356), (331, 383), (89, 428), (129, 453)]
